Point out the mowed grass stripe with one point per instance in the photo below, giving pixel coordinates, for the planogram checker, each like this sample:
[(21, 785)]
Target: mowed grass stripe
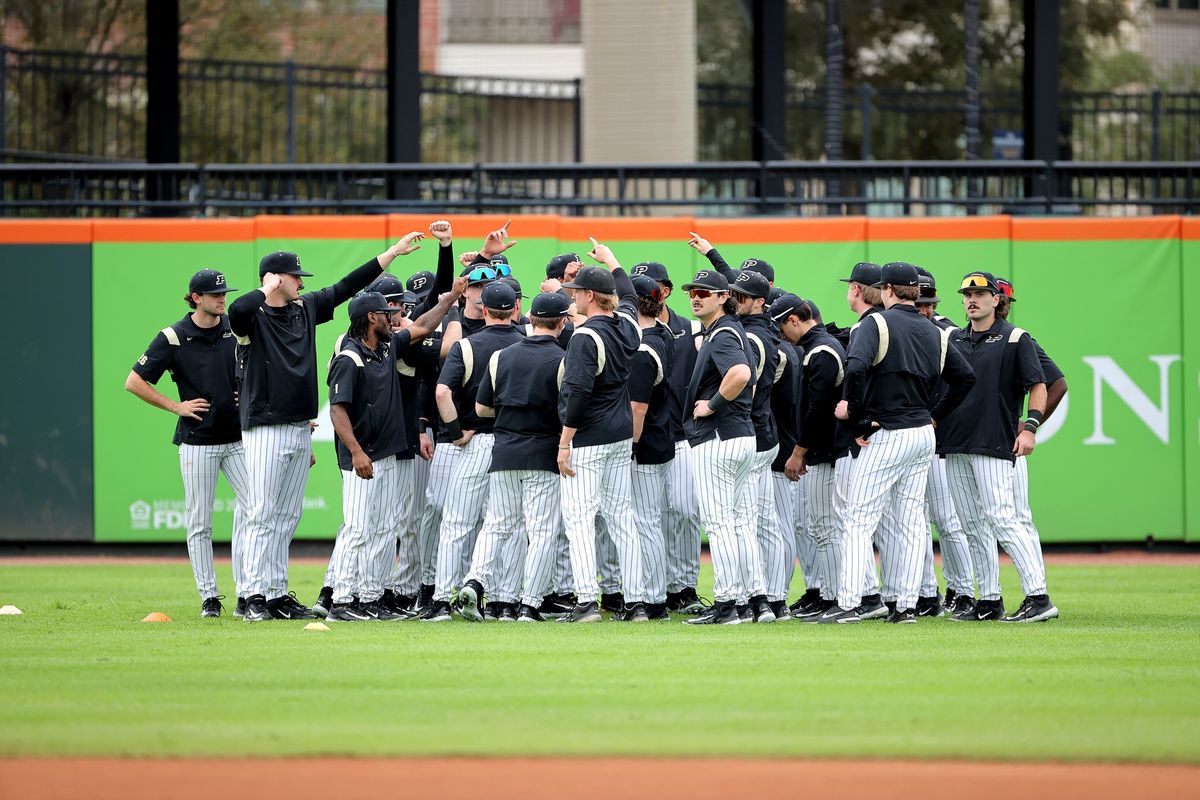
[(1117, 678)]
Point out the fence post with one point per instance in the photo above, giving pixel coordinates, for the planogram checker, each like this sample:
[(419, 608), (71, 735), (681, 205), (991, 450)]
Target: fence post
[(1155, 124), (865, 98), (3, 96), (577, 120), (290, 86)]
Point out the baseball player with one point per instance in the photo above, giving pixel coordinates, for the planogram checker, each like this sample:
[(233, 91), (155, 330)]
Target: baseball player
[(519, 389), (982, 443), (892, 371), (198, 352), (772, 547), (681, 520), (821, 453), (276, 331), (1056, 390), (956, 552), (596, 443), (372, 429), (721, 434)]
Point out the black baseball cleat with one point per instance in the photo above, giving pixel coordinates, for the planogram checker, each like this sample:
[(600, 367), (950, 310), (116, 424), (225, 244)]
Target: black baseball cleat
[(256, 609), (723, 613), (692, 603), (948, 601), (405, 602), (963, 604), (491, 611), (780, 609), (383, 613), (527, 613), (929, 606), (657, 612), (674, 601), (981, 611), (837, 615), (348, 612), (505, 612), (1035, 608), (891, 605), (810, 600), (211, 606), (470, 601), (554, 607), (324, 602), (425, 597), (633, 612), (239, 610), (388, 600), (614, 602), (761, 609), (744, 612), (439, 611), (906, 617), (812, 613), (288, 607), (871, 607), (583, 612)]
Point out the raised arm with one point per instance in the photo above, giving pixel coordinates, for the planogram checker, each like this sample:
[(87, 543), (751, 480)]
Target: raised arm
[(427, 323)]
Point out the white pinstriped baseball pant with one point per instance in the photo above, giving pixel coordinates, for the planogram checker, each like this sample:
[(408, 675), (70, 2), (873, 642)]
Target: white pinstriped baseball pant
[(277, 462), (445, 455), (522, 504), (870, 577), (984, 493), (722, 477), (803, 546), (786, 495), (1024, 512), (825, 490), (199, 465), (407, 578), (681, 522), (956, 551), (649, 500), (367, 538), (891, 472), (466, 499), (602, 484), (774, 545), (608, 564), (564, 581)]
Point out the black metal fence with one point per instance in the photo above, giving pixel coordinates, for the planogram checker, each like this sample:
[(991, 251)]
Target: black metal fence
[(928, 124), (884, 188), (82, 106)]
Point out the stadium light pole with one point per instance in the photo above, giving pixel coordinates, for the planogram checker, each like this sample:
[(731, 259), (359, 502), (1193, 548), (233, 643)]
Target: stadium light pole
[(403, 91), (769, 123), (1040, 88), (162, 99)]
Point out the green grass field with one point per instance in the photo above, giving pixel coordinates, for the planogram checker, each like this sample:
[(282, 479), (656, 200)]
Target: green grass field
[(1116, 678)]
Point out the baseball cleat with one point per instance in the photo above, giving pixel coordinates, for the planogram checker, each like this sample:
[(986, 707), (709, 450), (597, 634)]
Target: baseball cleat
[(1035, 608), (722, 613), (470, 601), (657, 612), (614, 602), (744, 613), (554, 607), (837, 615), (211, 607), (288, 607), (528, 613), (505, 612), (256, 609), (929, 606), (906, 617), (425, 597), (583, 612), (948, 601), (812, 613), (692, 603), (383, 613), (324, 602), (404, 602), (239, 610), (348, 612), (633, 612), (871, 607), (780, 609), (981, 611), (963, 604), (760, 609), (808, 602), (438, 612), (674, 601)]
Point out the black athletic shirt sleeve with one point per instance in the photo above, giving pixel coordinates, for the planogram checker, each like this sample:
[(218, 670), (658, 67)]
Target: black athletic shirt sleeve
[(642, 373), (453, 370), (864, 346), (486, 395), (821, 397), (727, 352), (1029, 366), (1049, 369), (158, 358), (582, 358), (958, 377), (626, 295), (718, 262), (343, 380), (324, 301), (241, 311), (401, 341)]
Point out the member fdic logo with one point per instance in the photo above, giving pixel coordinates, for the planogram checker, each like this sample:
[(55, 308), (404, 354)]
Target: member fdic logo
[(139, 515)]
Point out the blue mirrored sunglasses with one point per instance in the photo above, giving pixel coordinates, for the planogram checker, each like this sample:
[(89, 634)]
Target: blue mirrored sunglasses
[(481, 274)]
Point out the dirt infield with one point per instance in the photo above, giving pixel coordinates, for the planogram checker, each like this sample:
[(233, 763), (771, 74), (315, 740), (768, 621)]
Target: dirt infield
[(1112, 558), (579, 779)]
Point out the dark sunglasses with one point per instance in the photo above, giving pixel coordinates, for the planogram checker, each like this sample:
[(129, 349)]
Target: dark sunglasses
[(699, 294)]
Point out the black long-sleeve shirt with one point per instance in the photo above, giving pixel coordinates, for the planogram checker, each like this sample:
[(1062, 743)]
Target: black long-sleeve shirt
[(277, 351), (785, 402), (443, 280), (824, 438), (892, 370), (764, 352)]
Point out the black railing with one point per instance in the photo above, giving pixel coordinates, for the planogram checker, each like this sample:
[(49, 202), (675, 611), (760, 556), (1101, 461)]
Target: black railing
[(884, 188)]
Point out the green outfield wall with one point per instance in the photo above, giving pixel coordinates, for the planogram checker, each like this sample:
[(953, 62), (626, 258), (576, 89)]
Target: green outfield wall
[(1107, 299)]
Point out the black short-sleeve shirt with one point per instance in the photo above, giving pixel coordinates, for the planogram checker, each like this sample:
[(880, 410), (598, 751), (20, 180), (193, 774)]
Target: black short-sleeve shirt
[(465, 367), (649, 382), (724, 347), (521, 384), (202, 365), (366, 382), (596, 366)]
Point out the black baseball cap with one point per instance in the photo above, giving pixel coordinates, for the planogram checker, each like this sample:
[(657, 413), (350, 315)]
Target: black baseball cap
[(646, 286), (557, 266), (594, 278), (409, 300), (387, 285), (1006, 288), (708, 279), (499, 296), (514, 283), (865, 272), (281, 263), (499, 258), (816, 312), (751, 284), (550, 304), (654, 271), (775, 294), (979, 280), (898, 273), (209, 281), (420, 283), (928, 287), (785, 307), (761, 267), (367, 302)]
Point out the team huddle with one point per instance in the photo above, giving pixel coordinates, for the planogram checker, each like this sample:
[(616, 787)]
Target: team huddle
[(550, 461)]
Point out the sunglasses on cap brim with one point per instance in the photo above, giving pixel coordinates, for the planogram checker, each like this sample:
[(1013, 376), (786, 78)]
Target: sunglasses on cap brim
[(481, 274), (502, 270), (977, 282)]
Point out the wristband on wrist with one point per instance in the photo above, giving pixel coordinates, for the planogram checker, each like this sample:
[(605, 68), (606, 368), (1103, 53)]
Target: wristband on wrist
[(564, 447), (717, 401), (1034, 421), (454, 430), (1031, 426)]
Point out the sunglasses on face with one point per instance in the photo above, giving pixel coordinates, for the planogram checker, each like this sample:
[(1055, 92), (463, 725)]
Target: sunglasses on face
[(481, 274), (975, 282), (699, 294)]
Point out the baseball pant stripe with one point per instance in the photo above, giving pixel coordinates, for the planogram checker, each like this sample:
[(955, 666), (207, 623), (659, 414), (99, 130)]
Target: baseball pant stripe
[(1035, 565), (564, 581), (199, 466), (407, 579), (399, 553), (824, 523), (786, 495), (956, 552), (775, 543), (608, 563), (277, 463), (649, 499), (803, 546), (465, 501), (722, 474), (445, 455), (681, 522)]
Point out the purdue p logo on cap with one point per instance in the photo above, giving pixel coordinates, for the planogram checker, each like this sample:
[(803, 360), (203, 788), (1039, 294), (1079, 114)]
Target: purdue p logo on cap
[(418, 283)]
